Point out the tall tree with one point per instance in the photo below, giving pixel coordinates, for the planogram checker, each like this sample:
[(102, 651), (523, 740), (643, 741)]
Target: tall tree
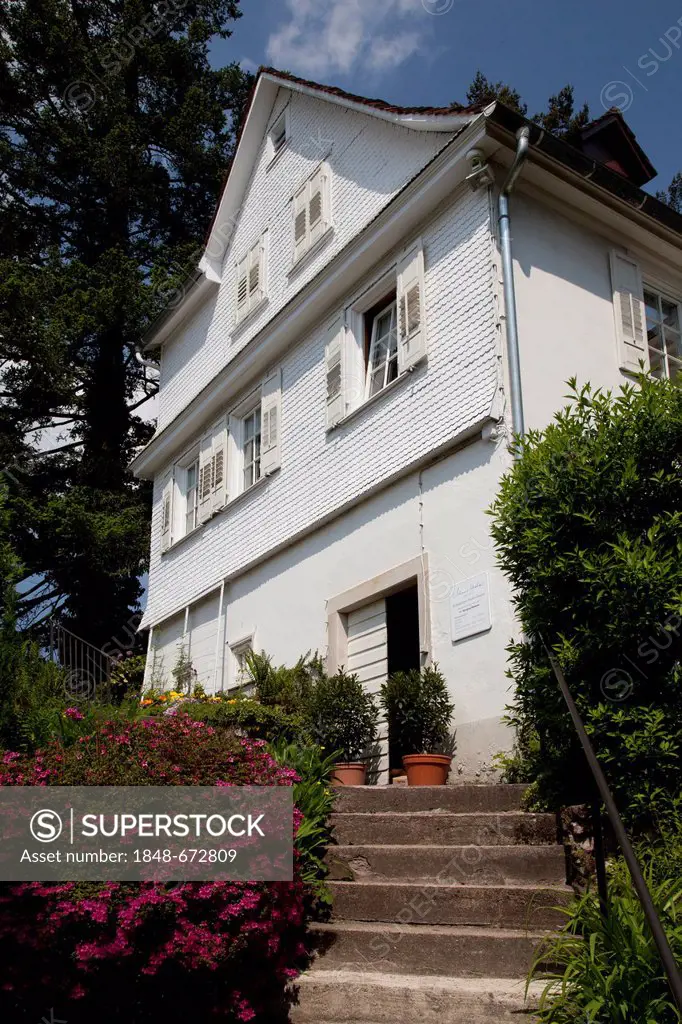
[(115, 136)]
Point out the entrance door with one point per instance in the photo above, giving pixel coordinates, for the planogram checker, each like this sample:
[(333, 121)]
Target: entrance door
[(368, 659)]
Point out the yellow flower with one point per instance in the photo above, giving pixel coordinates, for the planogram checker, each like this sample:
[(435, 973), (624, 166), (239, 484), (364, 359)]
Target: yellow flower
[(232, 702)]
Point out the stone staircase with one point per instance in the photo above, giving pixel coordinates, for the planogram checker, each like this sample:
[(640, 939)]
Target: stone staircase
[(441, 896)]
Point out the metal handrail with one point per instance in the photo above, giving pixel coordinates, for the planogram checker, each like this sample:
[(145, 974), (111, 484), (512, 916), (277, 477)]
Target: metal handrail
[(665, 952), (87, 667)]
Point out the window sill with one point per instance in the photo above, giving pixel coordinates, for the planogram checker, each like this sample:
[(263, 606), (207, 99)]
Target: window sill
[(380, 395), (238, 498), (240, 324), (312, 251)]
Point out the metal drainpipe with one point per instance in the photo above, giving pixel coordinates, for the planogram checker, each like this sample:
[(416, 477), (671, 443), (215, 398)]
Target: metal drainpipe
[(523, 139)]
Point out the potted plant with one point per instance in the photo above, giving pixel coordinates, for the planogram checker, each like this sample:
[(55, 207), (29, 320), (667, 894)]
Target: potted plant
[(419, 711), (343, 718)]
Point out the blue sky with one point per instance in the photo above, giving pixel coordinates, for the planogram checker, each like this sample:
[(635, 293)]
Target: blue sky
[(425, 52)]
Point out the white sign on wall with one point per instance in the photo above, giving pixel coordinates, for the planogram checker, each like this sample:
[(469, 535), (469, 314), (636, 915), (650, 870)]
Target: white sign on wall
[(470, 607)]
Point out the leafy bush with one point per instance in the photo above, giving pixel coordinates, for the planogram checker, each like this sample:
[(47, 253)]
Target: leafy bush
[(342, 717), (607, 970), (288, 688), (418, 709), (315, 800), (588, 527), (149, 951), (259, 721)]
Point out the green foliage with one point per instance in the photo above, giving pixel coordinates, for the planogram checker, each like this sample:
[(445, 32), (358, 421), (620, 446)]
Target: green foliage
[(289, 688), (127, 678), (314, 797), (419, 711), (342, 716), (588, 528), (673, 194), (482, 92), (242, 714), (608, 970), (115, 137), (183, 672)]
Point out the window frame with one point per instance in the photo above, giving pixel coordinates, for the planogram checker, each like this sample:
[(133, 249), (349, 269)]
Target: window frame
[(182, 467), (392, 308), (661, 294), (253, 412), (274, 152), (310, 245)]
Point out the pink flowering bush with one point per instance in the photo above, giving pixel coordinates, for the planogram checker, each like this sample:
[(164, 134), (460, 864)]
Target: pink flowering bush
[(143, 952)]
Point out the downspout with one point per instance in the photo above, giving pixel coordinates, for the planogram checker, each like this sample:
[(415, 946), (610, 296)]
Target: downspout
[(523, 139)]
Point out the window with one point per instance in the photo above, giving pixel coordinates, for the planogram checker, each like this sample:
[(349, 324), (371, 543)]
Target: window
[(382, 350), (312, 211), (663, 334), (192, 496), (251, 272), (278, 135), (379, 337), (241, 675), (251, 436)]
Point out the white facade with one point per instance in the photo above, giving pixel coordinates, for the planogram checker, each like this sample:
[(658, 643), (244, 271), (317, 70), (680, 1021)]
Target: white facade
[(362, 496)]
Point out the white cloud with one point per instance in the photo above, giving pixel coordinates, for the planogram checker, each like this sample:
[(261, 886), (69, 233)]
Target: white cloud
[(323, 37)]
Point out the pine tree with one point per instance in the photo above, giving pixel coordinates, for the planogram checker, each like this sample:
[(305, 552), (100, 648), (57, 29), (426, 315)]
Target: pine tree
[(115, 137)]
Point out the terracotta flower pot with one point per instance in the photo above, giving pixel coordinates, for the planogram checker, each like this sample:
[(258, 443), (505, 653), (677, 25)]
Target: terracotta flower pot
[(349, 773), (427, 769)]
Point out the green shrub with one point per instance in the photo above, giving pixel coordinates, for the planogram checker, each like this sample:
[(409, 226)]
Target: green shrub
[(607, 970), (342, 717), (419, 711), (588, 527), (289, 688), (315, 800), (258, 721)]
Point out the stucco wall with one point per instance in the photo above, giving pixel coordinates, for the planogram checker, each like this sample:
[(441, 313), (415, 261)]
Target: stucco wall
[(440, 511)]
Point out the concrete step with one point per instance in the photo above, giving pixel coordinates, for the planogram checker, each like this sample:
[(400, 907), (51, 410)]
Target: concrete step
[(461, 799), (424, 949), (489, 906), (435, 828), (456, 865), (360, 997)]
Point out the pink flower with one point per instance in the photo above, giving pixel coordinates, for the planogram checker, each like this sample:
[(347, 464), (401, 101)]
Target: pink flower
[(74, 714)]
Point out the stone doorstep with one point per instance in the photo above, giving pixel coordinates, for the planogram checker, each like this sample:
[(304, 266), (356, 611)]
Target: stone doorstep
[(444, 828), (340, 997), (454, 865), (430, 950), (408, 799)]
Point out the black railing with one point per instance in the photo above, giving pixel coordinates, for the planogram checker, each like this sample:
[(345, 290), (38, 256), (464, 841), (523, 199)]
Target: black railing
[(666, 954), (86, 667)]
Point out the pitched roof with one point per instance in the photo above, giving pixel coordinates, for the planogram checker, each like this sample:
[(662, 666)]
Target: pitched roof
[(376, 104)]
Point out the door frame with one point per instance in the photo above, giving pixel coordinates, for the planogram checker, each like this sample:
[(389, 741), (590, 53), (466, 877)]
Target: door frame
[(382, 585)]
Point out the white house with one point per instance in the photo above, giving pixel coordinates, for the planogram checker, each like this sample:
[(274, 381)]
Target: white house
[(335, 397)]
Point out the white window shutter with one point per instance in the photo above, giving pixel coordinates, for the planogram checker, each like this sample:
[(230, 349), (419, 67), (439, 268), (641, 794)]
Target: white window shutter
[(271, 419), (333, 359), (206, 477), (256, 274), (167, 510), (301, 222), (242, 287), (411, 315), (316, 206), (219, 465), (629, 312)]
